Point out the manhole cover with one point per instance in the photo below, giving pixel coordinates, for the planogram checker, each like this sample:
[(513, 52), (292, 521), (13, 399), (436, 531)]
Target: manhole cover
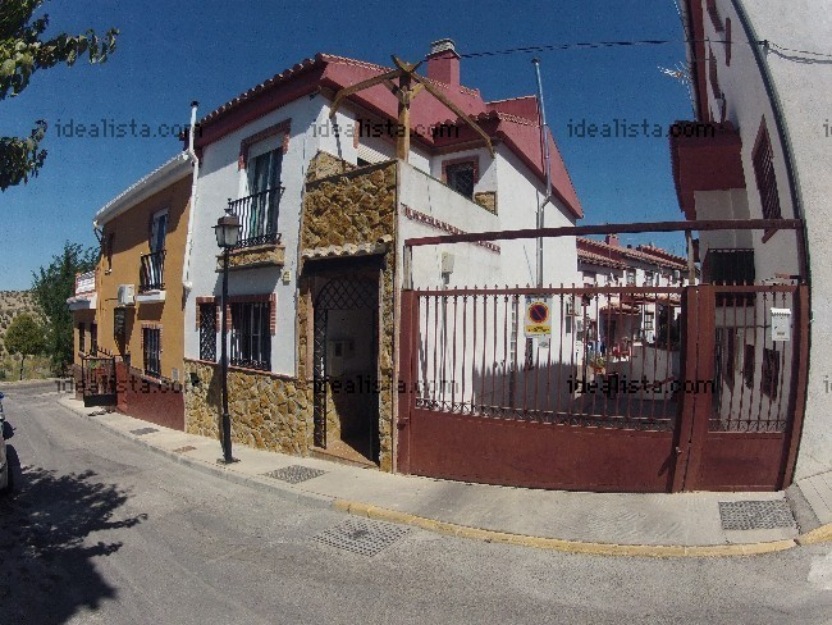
[(143, 431), (294, 474), (755, 515), (182, 450), (366, 538)]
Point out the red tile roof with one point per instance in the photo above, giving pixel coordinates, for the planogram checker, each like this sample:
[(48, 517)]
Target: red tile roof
[(647, 254), (513, 121)]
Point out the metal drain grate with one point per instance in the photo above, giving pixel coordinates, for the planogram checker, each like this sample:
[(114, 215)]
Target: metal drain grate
[(143, 431), (294, 474), (366, 538), (755, 515), (182, 450)]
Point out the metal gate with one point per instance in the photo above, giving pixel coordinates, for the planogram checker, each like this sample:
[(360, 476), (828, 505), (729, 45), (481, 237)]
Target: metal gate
[(340, 294), (597, 411), (708, 397), (98, 380), (743, 433), (590, 410)]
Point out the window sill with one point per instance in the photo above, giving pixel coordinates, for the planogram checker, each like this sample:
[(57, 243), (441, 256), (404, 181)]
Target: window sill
[(269, 255)]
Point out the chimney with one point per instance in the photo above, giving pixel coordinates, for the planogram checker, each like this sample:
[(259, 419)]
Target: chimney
[(443, 62), (612, 240)]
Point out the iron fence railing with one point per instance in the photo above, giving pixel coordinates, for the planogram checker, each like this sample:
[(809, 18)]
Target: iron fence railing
[(258, 215), (152, 272)]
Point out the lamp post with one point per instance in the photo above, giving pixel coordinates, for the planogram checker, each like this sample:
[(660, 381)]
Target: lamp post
[(228, 234)]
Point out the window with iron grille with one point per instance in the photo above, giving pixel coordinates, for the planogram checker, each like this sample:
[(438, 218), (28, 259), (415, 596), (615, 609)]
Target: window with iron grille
[(93, 337), (728, 41), (770, 375), (461, 177), (152, 351), (251, 344), (748, 366), (208, 332), (713, 74), (649, 319), (631, 277), (763, 159), (81, 337)]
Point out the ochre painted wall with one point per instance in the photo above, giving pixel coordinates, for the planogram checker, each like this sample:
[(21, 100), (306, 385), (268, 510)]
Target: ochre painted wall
[(130, 242)]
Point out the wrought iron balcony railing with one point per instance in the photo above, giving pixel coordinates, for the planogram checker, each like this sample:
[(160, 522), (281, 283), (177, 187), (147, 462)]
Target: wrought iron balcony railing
[(152, 272), (258, 217)]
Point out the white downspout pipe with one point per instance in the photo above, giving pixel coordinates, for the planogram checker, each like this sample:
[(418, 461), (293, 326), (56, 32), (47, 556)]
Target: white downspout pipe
[(186, 265)]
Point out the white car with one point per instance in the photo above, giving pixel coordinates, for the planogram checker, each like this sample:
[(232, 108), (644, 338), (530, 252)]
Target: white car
[(5, 470)]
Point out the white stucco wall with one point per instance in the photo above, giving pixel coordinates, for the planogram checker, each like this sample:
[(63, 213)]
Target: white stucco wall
[(219, 180), (747, 108), (803, 85)]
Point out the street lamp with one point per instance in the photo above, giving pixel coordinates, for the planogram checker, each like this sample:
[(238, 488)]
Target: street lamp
[(228, 234)]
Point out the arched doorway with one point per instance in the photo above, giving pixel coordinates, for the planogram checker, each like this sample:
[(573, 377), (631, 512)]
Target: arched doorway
[(346, 393)]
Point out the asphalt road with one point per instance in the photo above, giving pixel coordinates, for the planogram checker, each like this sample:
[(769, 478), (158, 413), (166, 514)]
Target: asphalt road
[(102, 530)]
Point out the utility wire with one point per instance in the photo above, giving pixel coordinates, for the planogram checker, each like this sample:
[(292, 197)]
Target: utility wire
[(622, 44)]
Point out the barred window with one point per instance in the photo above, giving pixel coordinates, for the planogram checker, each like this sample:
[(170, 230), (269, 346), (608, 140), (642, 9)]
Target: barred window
[(251, 344), (713, 74), (208, 332), (763, 159), (81, 337), (461, 177), (93, 338), (771, 373), (152, 351)]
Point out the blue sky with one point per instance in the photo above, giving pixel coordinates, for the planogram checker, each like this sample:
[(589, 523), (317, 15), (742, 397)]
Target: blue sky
[(170, 53)]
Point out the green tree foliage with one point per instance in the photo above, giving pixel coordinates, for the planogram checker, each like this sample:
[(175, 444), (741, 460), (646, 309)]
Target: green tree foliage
[(52, 286), (23, 51), (25, 336)]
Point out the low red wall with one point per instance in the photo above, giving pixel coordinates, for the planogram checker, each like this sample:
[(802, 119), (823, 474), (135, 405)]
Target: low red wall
[(159, 402)]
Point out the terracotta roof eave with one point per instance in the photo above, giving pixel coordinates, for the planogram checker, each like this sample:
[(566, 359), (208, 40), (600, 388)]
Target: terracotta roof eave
[(287, 74), (676, 263)]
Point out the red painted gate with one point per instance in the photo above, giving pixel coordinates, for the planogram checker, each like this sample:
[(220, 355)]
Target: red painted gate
[(710, 398)]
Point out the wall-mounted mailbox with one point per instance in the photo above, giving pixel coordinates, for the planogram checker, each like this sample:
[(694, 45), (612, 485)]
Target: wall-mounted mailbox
[(781, 324), (338, 353)]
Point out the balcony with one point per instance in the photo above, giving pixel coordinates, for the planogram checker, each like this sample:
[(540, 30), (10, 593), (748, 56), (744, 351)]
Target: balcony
[(258, 218), (85, 295), (259, 244), (705, 157), (151, 278), (152, 273)]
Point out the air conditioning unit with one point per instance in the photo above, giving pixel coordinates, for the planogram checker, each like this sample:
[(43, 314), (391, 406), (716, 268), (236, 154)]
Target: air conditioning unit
[(126, 295)]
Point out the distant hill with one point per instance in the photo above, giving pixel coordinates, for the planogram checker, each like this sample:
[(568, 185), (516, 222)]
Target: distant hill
[(12, 303)]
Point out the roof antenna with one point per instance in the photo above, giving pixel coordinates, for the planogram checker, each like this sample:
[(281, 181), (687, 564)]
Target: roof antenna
[(544, 147)]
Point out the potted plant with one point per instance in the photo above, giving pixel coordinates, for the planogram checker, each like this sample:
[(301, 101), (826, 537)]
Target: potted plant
[(598, 364)]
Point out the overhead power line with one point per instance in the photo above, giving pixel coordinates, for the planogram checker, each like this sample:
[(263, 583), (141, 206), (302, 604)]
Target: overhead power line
[(590, 45)]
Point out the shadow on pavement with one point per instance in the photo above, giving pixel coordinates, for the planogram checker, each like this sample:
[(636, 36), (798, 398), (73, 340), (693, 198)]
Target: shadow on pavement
[(49, 536)]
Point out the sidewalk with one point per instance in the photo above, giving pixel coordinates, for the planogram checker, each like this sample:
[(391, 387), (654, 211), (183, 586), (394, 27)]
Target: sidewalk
[(661, 525)]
